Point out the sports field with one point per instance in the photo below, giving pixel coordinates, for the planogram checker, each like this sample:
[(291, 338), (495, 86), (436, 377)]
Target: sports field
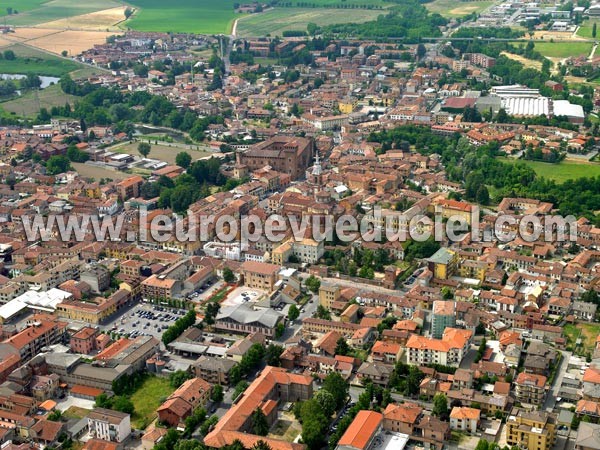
[(30, 103), (31, 60), (159, 151), (49, 10), (277, 20), (563, 49), (560, 172), (192, 16), (454, 8)]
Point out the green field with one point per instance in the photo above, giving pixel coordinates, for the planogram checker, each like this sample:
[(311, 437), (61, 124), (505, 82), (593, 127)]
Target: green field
[(35, 61), (30, 103), (20, 6), (48, 10), (563, 49), (559, 172), (587, 332), (193, 16), (585, 30), (454, 8), (275, 21), (345, 3), (147, 399)]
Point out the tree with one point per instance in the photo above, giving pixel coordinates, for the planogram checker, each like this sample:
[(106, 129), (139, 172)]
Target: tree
[(128, 12), (313, 27), (293, 312), (183, 159), (483, 196), (217, 394), (55, 415), (228, 275), (179, 377), (57, 164), (421, 51), (272, 354), (144, 149), (440, 406), (326, 400), (9, 55), (338, 387), (64, 53), (323, 313), (341, 347), (123, 404), (313, 283), (594, 30), (260, 426), (261, 445)]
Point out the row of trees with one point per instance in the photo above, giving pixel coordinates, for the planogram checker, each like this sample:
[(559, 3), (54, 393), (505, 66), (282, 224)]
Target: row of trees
[(179, 326)]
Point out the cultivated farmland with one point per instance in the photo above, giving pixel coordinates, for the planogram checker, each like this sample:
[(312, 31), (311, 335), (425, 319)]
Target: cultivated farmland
[(275, 21), (192, 16), (95, 21), (454, 8), (46, 11)]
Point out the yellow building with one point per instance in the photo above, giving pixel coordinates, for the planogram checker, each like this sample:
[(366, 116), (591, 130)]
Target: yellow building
[(347, 105), (328, 293), (281, 254), (455, 209), (443, 263), (533, 430), (472, 269)]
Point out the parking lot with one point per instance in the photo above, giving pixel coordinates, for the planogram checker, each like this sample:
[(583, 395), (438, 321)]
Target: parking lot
[(145, 320)]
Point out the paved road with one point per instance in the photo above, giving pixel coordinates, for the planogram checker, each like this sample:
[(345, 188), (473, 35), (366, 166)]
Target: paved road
[(560, 373)]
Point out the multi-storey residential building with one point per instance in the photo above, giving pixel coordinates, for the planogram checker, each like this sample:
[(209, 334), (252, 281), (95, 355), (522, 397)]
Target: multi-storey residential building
[(464, 419), (84, 341), (443, 264), (530, 388), (444, 316), (38, 335), (109, 425), (160, 287), (447, 351), (181, 403), (259, 275), (214, 370), (362, 431), (328, 293), (534, 430)]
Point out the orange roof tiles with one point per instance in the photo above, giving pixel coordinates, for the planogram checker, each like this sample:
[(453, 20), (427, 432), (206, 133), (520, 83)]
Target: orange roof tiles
[(361, 430), (465, 413)]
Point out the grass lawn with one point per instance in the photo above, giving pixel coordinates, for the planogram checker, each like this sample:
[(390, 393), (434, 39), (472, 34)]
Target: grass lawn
[(585, 30), (30, 103), (587, 332), (31, 60), (147, 399), (561, 172), (277, 20), (75, 412), (192, 16), (453, 8), (160, 151), (40, 11), (563, 49)]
